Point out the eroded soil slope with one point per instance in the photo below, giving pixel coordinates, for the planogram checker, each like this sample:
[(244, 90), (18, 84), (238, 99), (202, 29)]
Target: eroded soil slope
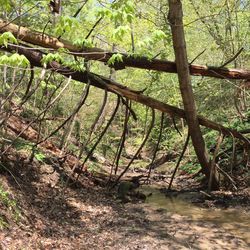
[(85, 216)]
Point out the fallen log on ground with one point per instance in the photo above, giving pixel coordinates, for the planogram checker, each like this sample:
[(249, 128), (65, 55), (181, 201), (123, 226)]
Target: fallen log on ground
[(19, 126), (40, 39), (105, 83), (163, 159)]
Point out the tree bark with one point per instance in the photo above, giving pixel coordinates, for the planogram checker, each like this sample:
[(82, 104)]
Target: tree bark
[(176, 23), (44, 40)]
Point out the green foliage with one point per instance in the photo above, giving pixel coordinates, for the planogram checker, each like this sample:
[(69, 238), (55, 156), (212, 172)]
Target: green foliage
[(7, 37), (21, 144), (104, 13), (239, 124), (58, 109), (39, 156), (190, 168), (5, 5), (65, 25), (119, 33), (58, 57), (141, 29), (115, 58), (14, 60), (5, 199), (146, 46), (10, 205), (74, 65), (77, 128), (82, 42), (50, 57), (158, 35), (211, 138), (119, 12), (63, 51), (93, 167), (28, 147), (3, 223), (48, 85)]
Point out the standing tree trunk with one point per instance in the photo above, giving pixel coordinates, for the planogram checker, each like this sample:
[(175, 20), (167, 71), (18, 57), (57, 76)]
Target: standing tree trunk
[(175, 19)]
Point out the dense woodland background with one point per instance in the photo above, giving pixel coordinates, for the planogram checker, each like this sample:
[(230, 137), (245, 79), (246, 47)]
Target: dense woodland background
[(98, 98), (217, 34)]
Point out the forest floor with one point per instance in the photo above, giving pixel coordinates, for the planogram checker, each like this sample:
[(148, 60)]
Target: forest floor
[(86, 216)]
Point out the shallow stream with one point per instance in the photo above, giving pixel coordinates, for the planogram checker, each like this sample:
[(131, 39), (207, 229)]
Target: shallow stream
[(235, 221)]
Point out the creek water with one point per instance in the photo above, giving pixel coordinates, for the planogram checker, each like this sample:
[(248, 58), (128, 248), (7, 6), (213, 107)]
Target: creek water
[(235, 221)]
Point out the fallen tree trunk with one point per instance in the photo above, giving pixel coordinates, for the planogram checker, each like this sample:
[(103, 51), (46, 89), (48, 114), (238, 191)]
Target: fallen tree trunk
[(37, 38), (105, 83), (19, 126), (163, 159)]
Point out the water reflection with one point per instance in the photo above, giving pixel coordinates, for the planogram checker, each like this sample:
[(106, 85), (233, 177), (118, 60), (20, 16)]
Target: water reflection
[(232, 220)]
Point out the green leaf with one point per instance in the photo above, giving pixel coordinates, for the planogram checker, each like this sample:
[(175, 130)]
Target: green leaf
[(7, 37), (63, 50), (39, 156), (104, 13), (115, 58), (158, 35), (5, 5), (119, 32), (83, 43), (50, 57), (129, 7), (14, 60), (66, 24), (75, 65)]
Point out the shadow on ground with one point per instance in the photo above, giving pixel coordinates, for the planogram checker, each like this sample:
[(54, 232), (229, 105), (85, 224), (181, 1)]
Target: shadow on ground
[(85, 216)]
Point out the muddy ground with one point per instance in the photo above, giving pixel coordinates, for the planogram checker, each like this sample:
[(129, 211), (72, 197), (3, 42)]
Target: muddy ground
[(85, 216)]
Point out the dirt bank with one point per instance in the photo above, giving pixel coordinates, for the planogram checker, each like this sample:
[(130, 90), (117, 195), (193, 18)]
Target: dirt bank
[(88, 217)]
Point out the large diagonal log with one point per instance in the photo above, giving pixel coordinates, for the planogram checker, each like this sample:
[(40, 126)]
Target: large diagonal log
[(37, 38), (110, 85)]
